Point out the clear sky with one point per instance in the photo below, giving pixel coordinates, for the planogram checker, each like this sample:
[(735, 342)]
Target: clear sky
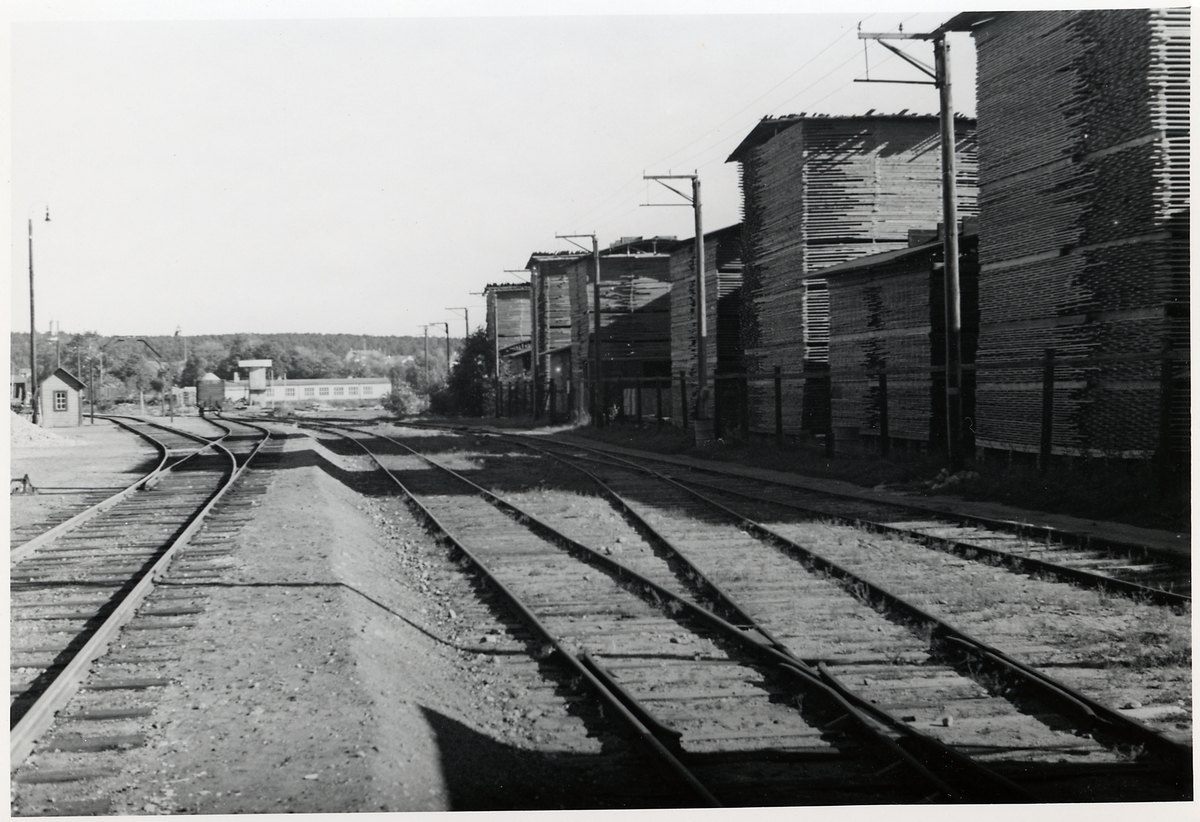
[(361, 167)]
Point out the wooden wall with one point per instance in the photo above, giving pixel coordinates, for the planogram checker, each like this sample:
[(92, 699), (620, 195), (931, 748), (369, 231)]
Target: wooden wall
[(1083, 135), (819, 191)]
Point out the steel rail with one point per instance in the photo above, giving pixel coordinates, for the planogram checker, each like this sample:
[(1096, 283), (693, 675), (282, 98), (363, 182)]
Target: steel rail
[(1016, 527), (29, 546), (1032, 565), (984, 784), (40, 715), (999, 788), (1090, 713), (578, 666)]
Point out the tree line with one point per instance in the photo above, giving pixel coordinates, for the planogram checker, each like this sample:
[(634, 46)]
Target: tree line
[(148, 363)]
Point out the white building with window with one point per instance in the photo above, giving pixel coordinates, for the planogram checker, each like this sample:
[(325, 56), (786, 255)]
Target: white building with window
[(347, 391), (60, 401)]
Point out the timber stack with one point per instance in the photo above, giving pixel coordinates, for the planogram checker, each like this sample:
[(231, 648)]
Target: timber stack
[(1083, 186)]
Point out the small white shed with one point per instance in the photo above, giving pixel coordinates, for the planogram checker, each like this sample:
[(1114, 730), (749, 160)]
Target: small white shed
[(60, 400)]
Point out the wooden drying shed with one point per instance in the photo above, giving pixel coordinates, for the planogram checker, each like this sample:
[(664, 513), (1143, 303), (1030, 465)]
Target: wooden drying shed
[(635, 320), (722, 291), (818, 191), (887, 341), (509, 322), (1084, 205)]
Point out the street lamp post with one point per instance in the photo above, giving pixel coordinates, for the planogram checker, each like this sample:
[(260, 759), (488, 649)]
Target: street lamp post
[(33, 380)]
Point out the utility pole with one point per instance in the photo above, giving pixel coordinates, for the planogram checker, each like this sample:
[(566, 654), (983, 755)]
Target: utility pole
[(426, 327), (940, 72), (466, 321), (597, 402), (701, 410), (447, 349)]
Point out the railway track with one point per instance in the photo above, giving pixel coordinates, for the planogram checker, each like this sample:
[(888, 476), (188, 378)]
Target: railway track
[(716, 685), (86, 588), (84, 502), (1141, 571)]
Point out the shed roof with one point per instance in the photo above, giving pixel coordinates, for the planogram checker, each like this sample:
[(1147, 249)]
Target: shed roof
[(538, 256), (70, 379), (505, 287), (873, 260), (769, 127), (969, 20), (894, 256)]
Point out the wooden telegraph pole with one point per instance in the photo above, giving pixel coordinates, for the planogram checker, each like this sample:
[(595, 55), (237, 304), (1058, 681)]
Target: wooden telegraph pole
[(702, 393), (597, 404), (940, 74)]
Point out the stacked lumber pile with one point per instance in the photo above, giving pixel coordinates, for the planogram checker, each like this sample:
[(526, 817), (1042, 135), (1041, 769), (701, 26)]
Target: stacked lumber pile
[(887, 316), (819, 191), (1083, 176), (722, 288), (552, 280), (635, 314), (509, 318), (579, 286), (635, 307)]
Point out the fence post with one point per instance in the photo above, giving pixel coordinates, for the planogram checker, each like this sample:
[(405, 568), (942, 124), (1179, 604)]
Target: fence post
[(1166, 460), (885, 439), (1047, 412), (553, 403), (744, 405), (779, 404), (683, 396), (658, 400), (716, 406)]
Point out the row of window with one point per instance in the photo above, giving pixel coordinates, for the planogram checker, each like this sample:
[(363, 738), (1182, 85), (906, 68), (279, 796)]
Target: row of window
[(323, 391)]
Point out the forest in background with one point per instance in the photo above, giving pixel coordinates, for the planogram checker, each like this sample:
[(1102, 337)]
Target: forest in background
[(147, 363)]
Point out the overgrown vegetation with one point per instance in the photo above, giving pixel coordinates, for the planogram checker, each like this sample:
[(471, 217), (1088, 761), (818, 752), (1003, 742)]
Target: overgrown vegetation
[(468, 388)]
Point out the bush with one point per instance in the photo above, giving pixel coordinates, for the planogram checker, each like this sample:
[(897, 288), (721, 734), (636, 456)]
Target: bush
[(404, 401)]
